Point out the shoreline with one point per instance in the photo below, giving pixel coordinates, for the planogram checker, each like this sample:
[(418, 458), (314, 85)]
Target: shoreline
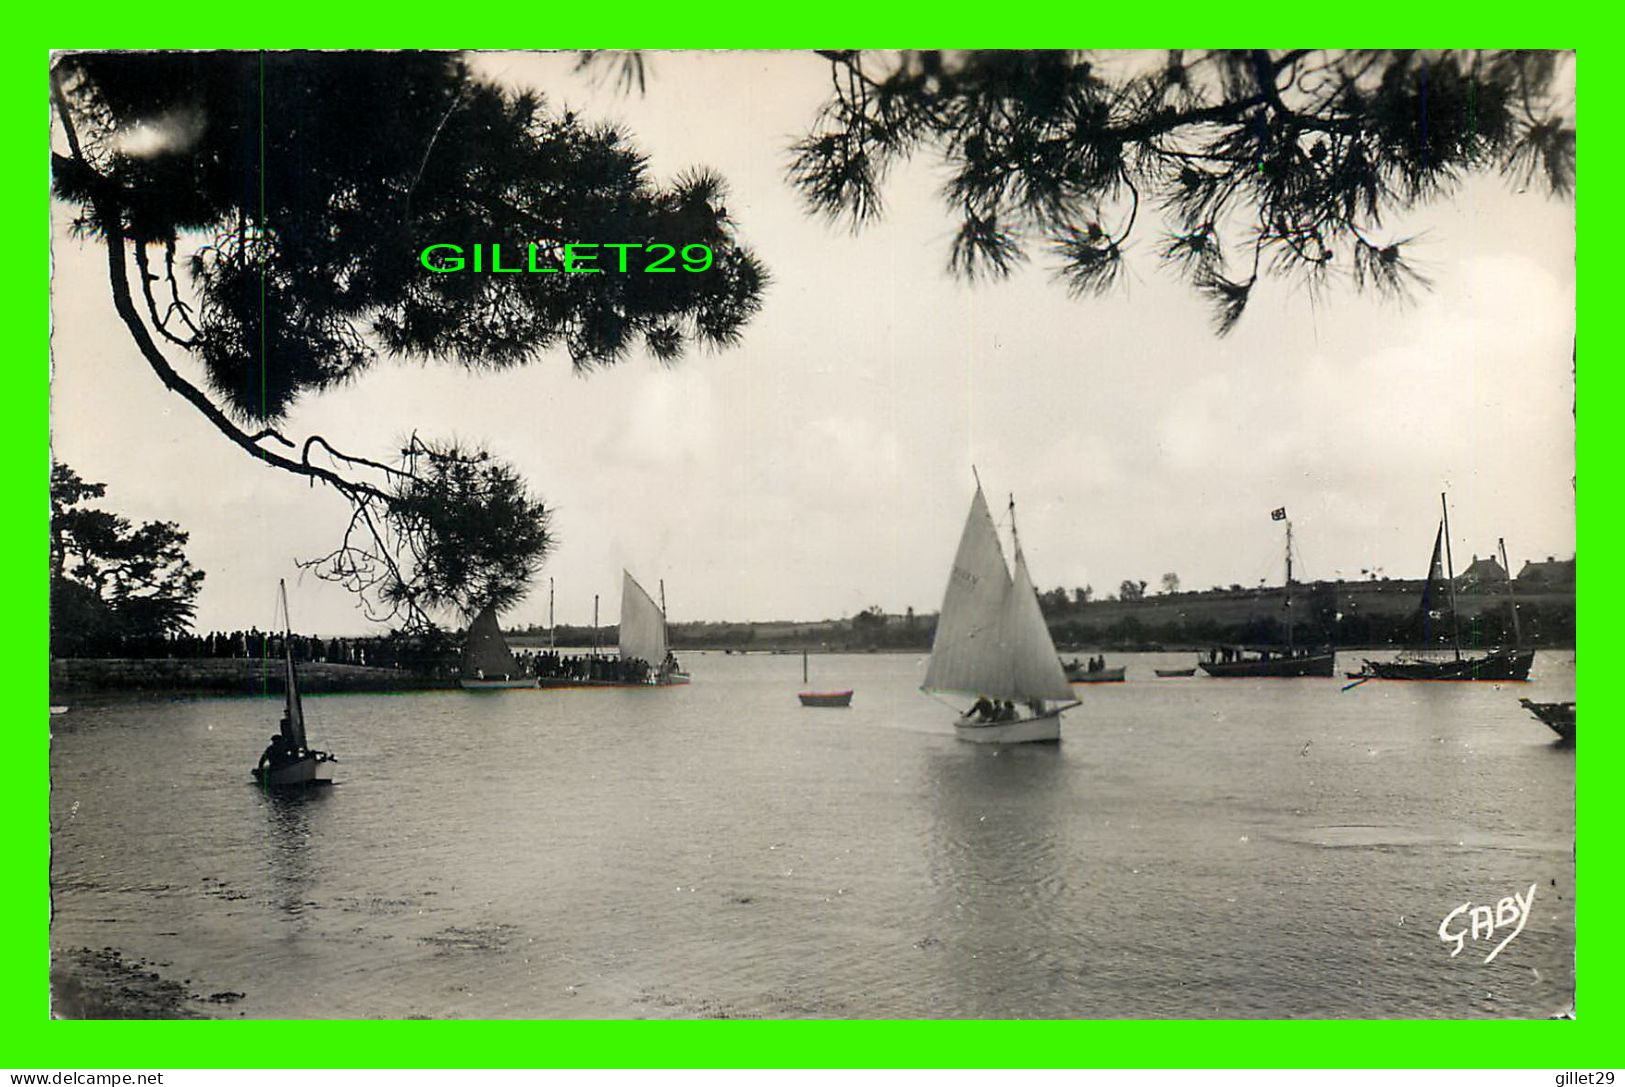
[(91, 678), (91, 984)]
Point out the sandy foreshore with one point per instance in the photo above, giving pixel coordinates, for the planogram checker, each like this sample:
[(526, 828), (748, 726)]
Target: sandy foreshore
[(113, 677)]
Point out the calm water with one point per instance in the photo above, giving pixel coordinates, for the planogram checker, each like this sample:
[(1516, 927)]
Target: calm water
[(1194, 848)]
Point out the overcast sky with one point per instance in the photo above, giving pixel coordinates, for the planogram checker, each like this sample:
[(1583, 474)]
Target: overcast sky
[(824, 465)]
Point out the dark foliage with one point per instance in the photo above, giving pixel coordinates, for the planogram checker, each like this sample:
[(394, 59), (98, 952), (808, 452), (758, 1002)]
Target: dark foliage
[(1287, 162), (110, 578)]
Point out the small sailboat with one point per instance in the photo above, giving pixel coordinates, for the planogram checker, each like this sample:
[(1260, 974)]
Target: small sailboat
[(826, 699), (488, 663), (643, 633), (992, 643), (289, 760), (1498, 664)]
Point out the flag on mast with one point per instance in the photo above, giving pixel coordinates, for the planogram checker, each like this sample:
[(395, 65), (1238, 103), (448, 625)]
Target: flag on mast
[(1278, 514)]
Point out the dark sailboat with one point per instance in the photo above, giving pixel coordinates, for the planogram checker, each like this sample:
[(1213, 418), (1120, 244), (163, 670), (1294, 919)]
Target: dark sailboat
[(289, 760), (488, 663), (1274, 661), (1500, 664)]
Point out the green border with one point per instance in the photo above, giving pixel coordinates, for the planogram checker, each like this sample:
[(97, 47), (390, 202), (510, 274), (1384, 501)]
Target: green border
[(36, 1042)]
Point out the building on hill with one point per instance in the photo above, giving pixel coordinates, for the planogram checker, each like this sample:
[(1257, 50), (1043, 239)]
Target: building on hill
[(1553, 572), (1481, 573)]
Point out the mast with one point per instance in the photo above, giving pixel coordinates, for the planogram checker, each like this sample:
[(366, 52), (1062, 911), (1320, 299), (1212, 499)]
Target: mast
[(1450, 573), (595, 624), (1287, 605), (552, 631), (665, 625), (1517, 627)]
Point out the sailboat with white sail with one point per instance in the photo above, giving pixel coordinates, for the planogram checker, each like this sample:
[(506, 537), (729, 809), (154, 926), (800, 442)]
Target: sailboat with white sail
[(992, 643), (643, 633), (488, 663), (289, 759)]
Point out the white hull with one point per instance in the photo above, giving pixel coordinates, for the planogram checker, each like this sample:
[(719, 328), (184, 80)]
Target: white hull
[(1026, 730), (307, 771), (497, 684)]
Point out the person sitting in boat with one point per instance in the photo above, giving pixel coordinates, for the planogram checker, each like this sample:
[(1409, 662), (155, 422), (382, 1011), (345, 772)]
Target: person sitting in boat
[(1008, 711), (982, 710), (279, 752)]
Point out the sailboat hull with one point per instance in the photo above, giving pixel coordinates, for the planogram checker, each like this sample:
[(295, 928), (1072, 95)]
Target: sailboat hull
[(1510, 666), (307, 771), (1027, 730), (517, 683)]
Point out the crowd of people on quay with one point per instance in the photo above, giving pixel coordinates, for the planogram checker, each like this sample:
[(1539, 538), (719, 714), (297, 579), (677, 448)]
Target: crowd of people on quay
[(411, 653), (602, 668)]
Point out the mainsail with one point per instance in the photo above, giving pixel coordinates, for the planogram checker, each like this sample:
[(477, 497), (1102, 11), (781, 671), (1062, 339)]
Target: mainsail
[(485, 653), (991, 639), (643, 624), (293, 721), (1431, 605)]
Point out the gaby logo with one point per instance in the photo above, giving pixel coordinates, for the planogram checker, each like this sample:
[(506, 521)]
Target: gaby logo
[(1482, 922)]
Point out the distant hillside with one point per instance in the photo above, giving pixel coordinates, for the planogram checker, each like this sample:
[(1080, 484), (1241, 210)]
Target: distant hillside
[(1346, 613)]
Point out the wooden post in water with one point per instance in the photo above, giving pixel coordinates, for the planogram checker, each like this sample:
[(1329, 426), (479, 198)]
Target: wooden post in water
[(803, 666)]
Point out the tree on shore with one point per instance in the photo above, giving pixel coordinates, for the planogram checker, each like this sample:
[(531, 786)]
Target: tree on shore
[(1263, 162), (263, 216), (110, 578)]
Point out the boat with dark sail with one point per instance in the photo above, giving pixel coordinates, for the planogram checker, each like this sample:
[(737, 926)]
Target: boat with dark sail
[(1557, 716), (488, 663), (1438, 595), (992, 643), (1289, 661), (289, 760)]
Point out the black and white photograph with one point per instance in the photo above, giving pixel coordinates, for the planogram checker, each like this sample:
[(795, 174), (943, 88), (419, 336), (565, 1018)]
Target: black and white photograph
[(839, 535)]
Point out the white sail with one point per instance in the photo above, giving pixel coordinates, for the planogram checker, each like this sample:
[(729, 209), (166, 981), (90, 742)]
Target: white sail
[(643, 624), (1035, 670), (966, 654)]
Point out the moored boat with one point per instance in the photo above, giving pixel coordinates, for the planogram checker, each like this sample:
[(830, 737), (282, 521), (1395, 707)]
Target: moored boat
[(1174, 673), (1289, 661), (643, 634), (289, 760), (488, 663), (830, 699), (992, 643), (1501, 664), (1093, 672), (1557, 716)]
